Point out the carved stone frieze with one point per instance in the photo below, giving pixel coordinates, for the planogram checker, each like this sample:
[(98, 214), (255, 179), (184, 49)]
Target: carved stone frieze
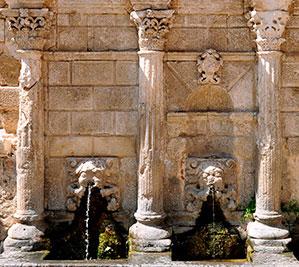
[(96, 172), (204, 177), (208, 65), (28, 29), (153, 25)]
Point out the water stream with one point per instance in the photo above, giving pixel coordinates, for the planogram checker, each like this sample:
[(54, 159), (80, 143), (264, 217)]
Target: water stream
[(87, 224), (213, 216)]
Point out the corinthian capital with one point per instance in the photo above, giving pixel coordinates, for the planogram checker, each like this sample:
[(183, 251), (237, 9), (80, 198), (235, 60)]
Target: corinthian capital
[(153, 25), (268, 20), (28, 29)]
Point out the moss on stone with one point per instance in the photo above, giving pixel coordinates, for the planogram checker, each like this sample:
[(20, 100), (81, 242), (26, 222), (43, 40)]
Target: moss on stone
[(210, 241), (110, 244)]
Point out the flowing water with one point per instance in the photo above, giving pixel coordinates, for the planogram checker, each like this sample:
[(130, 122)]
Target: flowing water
[(87, 224), (213, 215)]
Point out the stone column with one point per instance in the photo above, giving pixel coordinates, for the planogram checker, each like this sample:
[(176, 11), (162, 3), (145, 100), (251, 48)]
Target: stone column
[(149, 233), (27, 234), (269, 19)]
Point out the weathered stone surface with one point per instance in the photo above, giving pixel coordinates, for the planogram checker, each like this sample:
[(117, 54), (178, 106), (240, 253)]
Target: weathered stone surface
[(70, 98), (59, 73), (93, 73), (127, 73), (72, 39), (59, 123), (9, 70), (115, 98), (114, 146), (55, 184), (70, 146)]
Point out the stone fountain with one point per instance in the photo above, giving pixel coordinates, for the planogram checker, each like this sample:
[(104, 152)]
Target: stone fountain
[(145, 126)]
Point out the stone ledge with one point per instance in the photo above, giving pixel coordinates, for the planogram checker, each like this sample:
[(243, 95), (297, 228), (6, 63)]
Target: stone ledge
[(133, 56)]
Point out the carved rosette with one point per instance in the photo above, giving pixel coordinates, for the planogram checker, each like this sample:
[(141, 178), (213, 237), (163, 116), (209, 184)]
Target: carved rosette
[(153, 25), (28, 29), (268, 20), (95, 172), (204, 177), (208, 66)]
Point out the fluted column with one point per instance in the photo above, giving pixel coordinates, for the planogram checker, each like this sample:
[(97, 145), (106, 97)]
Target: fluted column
[(149, 233), (269, 19), (26, 38)]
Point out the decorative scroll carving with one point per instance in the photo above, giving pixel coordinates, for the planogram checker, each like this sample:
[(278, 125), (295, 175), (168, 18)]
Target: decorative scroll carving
[(26, 22), (208, 64), (206, 176), (98, 173), (153, 25), (28, 29)]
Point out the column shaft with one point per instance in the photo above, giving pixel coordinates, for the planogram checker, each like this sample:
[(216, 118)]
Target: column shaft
[(28, 234), (30, 147), (152, 138), (269, 136)]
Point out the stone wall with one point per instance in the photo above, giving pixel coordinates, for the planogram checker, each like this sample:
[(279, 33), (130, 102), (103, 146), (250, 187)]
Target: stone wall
[(91, 112)]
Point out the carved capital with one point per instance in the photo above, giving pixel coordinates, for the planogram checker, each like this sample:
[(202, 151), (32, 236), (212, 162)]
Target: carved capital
[(208, 65), (28, 29), (153, 25), (268, 20), (30, 68)]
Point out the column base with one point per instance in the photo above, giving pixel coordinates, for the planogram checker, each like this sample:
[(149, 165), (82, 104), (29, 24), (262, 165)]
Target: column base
[(268, 239), (24, 238), (149, 238)]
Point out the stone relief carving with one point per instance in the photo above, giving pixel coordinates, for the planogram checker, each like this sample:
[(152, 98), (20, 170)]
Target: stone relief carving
[(269, 27), (208, 65), (26, 22), (28, 28), (95, 172), (204, 177), (153, 25)]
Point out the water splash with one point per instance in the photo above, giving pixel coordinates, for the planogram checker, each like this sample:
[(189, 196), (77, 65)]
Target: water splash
[(87, 257)]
